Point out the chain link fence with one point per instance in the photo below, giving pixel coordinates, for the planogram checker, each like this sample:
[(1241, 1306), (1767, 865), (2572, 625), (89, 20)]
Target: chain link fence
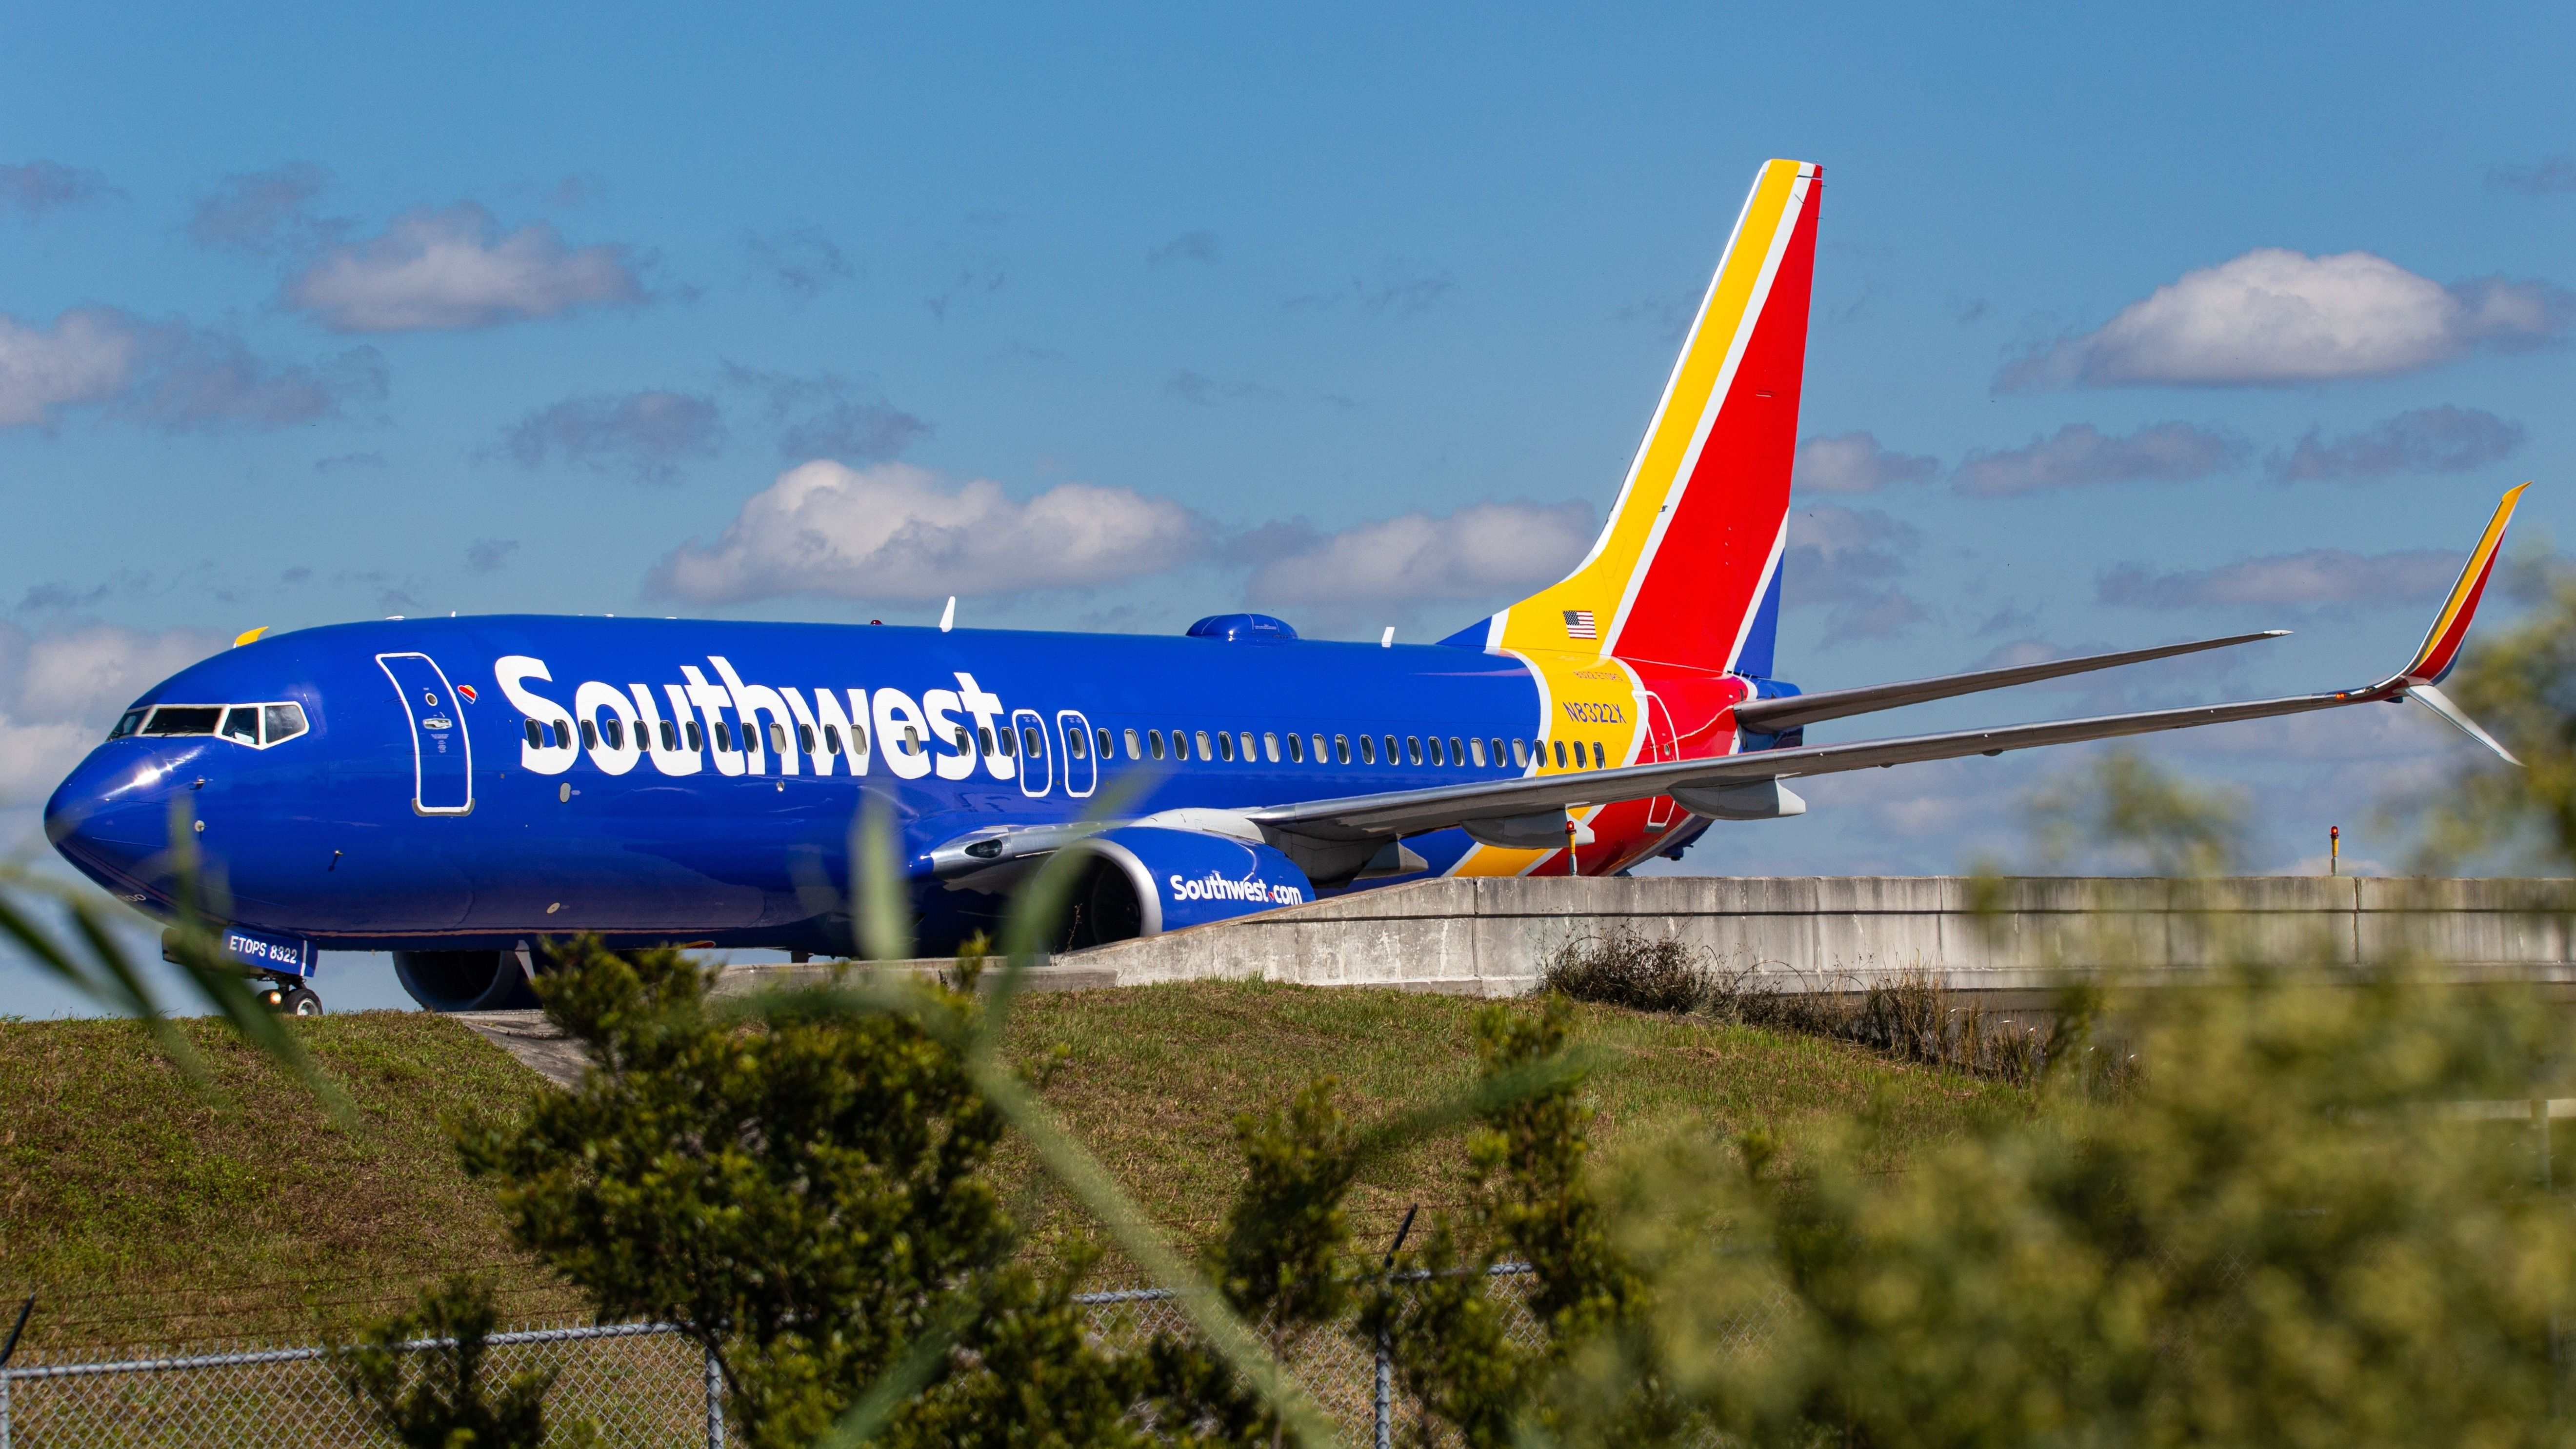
[(634, 1384)]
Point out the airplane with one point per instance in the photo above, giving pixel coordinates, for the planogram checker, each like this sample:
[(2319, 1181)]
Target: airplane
[(456, 791)]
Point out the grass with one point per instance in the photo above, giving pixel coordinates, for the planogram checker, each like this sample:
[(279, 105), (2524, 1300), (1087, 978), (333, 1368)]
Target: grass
[(141, 1212), (1154, 1076), (140, 1209)]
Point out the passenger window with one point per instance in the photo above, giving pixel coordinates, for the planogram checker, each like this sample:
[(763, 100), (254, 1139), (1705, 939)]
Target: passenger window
[(133, 720), (831, 739), (1319, 749), (1269, 747), (589, 736), (1520, 754), (859, 739), (1560, 754), (241, 722), (1497, 750), (1224, 746), (670, 737), (1390, 749), (184, 719), (1154, 741), (1133, 751), (1105, 743), (1457, 755), (724, 737), (1296, 749), (1204, 753), (1412, 749), (697, 738), (643, 737), (1341, 749), (805, 738), (1596, 756), (1368, 749), (1476, 749), (912, 741), (1077, 744), (1437, 757), (615, 730), (1031, 743), (1246, 737)]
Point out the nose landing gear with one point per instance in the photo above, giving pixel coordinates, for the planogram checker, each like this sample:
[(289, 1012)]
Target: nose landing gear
[(291, 998)]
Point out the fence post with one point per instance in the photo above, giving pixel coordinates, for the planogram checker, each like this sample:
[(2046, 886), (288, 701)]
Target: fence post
[(1381, 1407), (4, 1406), (715, 1404)]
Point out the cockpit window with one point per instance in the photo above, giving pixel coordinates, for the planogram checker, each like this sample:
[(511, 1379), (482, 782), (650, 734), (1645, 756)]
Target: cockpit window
[(255, 725), (183, 719)]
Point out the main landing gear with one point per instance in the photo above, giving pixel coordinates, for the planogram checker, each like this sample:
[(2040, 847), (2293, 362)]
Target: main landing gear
[(290, 998)]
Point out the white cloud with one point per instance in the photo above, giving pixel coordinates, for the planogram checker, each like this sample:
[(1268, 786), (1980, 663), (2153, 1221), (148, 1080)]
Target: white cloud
[(2278, 317), (1486, 553), (40, 186), (1851, 558), (167, 375), (60, 690), (451, 269), (2427, 440), (2314, 576), (2081, 453), (894, 532), (645, 433), (87, 356), (1855, 463)]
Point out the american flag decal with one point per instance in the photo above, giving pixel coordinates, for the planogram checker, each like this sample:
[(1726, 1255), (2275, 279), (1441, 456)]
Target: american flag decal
[(1578, 625)]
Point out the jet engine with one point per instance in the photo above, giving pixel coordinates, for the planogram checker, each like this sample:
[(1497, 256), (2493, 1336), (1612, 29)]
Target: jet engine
[(1142, 880), (466, 980)]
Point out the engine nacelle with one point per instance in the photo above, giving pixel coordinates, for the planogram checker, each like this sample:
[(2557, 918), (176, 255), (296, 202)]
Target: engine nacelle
[(1143, 880), (466, 980)]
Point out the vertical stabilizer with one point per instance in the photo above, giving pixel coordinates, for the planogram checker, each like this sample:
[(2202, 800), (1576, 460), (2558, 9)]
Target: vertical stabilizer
[(1686, 567)]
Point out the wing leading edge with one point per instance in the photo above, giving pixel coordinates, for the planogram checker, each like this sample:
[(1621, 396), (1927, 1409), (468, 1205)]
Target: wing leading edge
[(1410, 812)]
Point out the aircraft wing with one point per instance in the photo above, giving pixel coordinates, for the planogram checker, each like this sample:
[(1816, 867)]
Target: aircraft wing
[(1788, 712), (1408, 812)]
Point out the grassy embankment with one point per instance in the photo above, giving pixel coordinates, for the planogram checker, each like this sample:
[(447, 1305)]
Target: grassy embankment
[(142, 1212)]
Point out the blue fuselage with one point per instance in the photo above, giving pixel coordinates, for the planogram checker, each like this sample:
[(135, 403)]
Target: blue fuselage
[(454, 784)]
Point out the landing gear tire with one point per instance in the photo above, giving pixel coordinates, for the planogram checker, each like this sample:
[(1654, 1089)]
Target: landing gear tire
[(300, 1001)]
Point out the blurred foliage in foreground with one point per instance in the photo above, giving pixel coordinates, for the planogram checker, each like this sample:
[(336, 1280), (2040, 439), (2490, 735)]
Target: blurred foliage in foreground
[(2271, 1225)]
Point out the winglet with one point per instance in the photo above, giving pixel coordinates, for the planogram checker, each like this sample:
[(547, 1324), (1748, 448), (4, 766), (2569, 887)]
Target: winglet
[(249, 636), (2432, 698), (2442, 646)]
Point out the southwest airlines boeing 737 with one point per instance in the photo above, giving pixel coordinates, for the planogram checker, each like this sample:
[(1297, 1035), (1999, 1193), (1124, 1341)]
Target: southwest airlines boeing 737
[(455, 790)]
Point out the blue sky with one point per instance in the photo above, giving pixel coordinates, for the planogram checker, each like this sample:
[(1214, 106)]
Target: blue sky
[(309, 314)]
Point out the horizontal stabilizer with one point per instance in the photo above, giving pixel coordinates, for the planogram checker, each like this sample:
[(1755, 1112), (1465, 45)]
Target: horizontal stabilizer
[(1773, 716)]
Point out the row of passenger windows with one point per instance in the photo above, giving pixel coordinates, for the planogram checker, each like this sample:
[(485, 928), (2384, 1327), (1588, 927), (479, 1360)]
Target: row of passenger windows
[(1221, 745), (1406, 749), (255, 725)]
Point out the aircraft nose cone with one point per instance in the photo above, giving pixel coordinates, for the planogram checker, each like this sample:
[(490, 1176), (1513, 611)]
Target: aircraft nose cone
[(111, 815)]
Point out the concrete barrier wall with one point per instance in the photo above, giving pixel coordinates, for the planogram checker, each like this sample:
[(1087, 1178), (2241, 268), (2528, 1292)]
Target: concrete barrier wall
[(1493, 937)]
